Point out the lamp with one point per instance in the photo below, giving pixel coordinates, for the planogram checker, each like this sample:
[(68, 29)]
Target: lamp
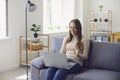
[(30, 7)]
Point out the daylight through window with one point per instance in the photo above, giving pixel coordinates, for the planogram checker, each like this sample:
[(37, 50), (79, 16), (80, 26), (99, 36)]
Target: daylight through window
[(56, 15), (3, 19)]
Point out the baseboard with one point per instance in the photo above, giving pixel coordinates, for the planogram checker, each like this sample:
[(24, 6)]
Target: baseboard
[(9, 68)]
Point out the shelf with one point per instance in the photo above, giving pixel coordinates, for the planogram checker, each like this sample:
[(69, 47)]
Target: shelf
[(35, 46), (98, 31), (102, 34), (24, 63), (29, 51), (100, 24)]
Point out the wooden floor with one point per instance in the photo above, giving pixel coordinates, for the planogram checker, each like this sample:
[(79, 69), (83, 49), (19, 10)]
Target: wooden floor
[(17, 74)]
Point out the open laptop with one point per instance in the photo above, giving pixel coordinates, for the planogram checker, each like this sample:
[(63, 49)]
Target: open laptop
[(58, 60)]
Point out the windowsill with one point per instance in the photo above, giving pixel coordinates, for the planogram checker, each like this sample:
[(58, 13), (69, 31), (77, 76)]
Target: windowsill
[(4, 38), (55, 32), (58, 34)]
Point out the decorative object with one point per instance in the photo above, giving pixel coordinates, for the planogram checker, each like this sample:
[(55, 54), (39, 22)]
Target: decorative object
[(35, 29), (106, 20), (100, 6), (95, 20), (35, 46), (30, 7), (100, 19), (35, 40)]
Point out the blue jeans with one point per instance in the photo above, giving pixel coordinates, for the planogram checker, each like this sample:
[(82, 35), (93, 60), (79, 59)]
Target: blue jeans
[(60, 74)]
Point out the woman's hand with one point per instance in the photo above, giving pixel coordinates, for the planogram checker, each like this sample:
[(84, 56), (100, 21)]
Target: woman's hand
[(76, 49)]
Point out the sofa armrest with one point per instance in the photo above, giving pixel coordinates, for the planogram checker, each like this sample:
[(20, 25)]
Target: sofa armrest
[(38, 63)]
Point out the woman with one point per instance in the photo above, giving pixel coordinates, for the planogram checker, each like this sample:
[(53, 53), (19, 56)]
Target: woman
[(76, 49)]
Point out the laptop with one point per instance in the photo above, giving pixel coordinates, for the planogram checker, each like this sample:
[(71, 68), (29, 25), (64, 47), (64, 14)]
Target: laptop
[(58, 60)]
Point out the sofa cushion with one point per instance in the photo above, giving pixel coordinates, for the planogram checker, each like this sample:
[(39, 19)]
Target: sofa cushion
[(105, 55), (97, 74), (56, 44)]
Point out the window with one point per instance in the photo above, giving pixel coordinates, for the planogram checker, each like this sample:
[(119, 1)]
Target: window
[(57, 15), (3, 19)]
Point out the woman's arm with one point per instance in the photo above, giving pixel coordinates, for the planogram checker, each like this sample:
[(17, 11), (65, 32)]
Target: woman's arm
[(83, 54)]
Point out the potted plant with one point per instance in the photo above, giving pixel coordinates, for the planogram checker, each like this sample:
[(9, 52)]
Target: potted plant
[(35, 29)]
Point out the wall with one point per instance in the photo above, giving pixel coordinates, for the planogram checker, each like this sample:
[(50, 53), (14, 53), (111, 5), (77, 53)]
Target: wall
[(9, 47), (85, 15)]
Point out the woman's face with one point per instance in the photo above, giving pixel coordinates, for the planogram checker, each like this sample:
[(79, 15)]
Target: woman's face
[(72, 28)]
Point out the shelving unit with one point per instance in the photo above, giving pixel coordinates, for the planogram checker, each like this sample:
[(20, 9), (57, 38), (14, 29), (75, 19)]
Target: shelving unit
[(100, 25), (35, 46)]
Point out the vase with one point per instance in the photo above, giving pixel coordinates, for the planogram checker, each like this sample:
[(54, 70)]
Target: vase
[(100, 19), (35, 35), (95, 20), (106, 20)]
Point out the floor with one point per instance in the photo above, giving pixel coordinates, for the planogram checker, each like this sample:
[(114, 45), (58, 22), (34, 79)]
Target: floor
[(17, 74)]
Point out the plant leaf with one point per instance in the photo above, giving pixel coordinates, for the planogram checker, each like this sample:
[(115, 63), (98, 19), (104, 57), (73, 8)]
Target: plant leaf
[(32, 29), (34, 25)]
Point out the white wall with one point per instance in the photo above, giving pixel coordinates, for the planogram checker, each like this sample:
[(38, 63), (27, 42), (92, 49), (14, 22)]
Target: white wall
[(85, 15), (9, 48)]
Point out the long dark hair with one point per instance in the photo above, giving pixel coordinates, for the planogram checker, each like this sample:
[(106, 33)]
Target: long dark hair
[(79, 33)]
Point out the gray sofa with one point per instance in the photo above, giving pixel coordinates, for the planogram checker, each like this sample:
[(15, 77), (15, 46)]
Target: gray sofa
[(103, 62)]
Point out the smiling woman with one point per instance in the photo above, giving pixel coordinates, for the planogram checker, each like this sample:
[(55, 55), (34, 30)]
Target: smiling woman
[(3, 19)]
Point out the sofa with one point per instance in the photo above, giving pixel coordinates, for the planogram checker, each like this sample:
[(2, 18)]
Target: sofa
[(103, 62)]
